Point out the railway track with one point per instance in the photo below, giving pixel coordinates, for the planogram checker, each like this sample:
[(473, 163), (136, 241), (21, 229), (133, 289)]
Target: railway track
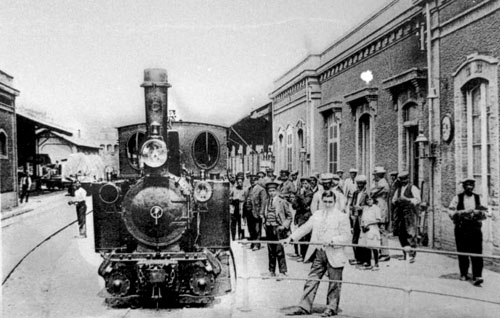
[(37, 246)]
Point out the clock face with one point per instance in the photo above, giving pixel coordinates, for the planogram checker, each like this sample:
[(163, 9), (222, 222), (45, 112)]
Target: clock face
[(446, 128)]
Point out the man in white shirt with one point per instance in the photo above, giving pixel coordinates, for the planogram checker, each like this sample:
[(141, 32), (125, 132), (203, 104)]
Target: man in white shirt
[(467, 212), (379, 192), (328, 225), (406, 201), (236, 204), (81, 208)]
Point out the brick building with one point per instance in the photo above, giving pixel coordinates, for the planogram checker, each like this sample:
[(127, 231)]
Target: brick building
[(8, 142), (413, 87)]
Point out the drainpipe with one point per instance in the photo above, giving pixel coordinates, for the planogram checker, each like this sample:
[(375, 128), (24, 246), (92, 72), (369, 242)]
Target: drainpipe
[(312, 164), (431, 95)]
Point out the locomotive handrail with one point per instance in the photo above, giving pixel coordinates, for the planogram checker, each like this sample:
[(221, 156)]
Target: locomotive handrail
[(406, 290)]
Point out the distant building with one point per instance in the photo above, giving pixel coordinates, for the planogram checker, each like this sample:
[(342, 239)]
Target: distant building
[(250, 142), (8, 142), (28, 142), (59, 146), (107, 138)]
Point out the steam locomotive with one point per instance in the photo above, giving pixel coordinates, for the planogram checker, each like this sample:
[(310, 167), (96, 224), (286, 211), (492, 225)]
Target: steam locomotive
[(163, 232)]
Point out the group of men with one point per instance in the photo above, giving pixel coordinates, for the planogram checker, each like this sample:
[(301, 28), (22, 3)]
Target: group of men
[(321, 207)]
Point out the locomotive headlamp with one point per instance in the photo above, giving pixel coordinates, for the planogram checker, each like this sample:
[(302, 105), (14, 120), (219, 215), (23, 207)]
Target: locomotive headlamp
[(154, 153), (155, 129), (202, 191)]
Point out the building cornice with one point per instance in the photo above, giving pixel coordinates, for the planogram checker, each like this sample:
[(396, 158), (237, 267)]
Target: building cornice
[(334, 106), (8, 89), (367, 93), (414, 76)]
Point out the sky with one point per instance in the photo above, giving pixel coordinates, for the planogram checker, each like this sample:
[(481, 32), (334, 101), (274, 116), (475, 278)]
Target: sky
[(82, 62)]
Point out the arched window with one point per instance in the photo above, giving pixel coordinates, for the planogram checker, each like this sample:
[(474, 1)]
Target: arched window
[(281, 150), (206, 150), (333, 144), (102, 147), (478, 136), (3, 144), (289, 150), (477, 142), (364, 144), (411, 115), (115, 148), (109, 148)]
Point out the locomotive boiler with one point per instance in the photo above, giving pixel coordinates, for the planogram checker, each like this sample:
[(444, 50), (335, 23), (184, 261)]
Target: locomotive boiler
[(163, 232)]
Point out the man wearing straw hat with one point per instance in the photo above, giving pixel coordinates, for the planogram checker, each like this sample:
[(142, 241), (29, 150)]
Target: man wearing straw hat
[(379, 192), (467, 212), (327, 182)]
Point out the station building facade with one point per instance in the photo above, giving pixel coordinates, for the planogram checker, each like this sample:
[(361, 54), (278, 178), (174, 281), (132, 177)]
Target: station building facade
[(413, 87)]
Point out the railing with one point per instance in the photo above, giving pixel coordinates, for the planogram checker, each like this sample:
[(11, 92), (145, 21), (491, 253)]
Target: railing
[(406, 290)]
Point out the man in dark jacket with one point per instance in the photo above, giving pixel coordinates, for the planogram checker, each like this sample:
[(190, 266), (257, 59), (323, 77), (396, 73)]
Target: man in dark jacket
[(406, 202), (301, 204), (277, 218), (361, 254), (254, 207)]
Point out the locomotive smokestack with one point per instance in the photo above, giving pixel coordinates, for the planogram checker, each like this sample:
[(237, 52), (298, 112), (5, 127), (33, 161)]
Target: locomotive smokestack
[(156, 96)]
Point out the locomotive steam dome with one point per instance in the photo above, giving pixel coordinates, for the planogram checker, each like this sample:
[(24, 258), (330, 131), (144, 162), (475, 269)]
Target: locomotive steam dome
[(153, 213)]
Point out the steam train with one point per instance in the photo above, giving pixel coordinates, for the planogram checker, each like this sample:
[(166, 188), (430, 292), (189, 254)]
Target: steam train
[(163, 231)]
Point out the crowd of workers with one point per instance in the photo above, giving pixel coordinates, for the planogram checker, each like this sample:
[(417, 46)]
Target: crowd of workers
[(327, 208)]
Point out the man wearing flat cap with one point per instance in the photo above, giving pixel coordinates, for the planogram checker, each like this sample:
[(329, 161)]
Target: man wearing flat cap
[(379, 192), (302, 206), (286, 186), (255, 204), (467, 213), (406, 202), (313, 182), (262, 178), (277, 220)]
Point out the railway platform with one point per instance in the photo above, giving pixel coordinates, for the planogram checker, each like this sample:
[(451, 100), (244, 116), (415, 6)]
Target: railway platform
[(36, 200), (430, 287)]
